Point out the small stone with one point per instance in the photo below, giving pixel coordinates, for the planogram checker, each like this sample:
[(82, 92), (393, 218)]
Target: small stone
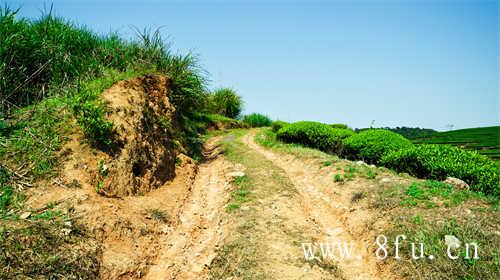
[(68, 224), (450, 239), (385, 180), (25, 215), (66, 231), (245, 208), (165, 229), (236, 174), (360, 162), (197, 254), (459, 184)]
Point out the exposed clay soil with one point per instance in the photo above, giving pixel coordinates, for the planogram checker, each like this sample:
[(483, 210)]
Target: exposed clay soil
[(179, 229)]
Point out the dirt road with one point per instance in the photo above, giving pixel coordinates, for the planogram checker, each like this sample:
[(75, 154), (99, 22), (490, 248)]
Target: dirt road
[(291, 202)]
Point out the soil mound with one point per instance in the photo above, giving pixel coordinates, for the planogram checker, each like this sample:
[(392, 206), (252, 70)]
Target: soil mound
[(144, 156)]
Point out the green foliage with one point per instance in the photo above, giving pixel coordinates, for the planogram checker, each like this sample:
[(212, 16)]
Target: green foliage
[(52, 57), (371, 145), (187, 84), (340, 125), (226, 102), (440, 161), (338, 178), (314, 134), (257, 120), (408, 132), (92, 119), (327, 163), (484, 140), (277, 125)]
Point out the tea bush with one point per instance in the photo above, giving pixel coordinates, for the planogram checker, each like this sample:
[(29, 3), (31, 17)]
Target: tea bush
[(314, 134), (371, 145), (277, 125), (441, 161), (339, 125), (257, 120)]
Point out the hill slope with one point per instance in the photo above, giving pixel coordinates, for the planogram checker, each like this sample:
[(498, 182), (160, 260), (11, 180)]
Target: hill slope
[(486, 140)]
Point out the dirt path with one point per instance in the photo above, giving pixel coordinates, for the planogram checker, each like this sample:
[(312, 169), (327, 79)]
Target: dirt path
[(190, 247), (328, 211)]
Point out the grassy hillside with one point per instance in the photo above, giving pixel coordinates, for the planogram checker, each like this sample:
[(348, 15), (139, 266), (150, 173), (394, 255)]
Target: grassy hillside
[(486, 140)]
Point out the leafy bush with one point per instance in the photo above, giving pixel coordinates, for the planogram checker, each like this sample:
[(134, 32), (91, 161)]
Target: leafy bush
[(277, 125), (371, 145), (314, 134), (339, 125), (257, 120), (92, 119), (226, 102), (440, 161)]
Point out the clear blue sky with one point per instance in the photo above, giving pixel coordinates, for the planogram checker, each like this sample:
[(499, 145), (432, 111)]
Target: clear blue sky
[(425, 63)]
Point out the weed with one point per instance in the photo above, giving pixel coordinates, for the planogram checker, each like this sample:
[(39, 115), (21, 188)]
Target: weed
[(257, 120), (158, 215), (327, 163), (338, 178)]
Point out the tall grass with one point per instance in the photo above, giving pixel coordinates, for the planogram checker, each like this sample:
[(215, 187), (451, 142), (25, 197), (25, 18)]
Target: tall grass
[(52, 57), (38, 57)]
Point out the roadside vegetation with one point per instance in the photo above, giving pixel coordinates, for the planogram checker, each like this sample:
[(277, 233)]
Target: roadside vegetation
[(484, 140), (52, 74), (316, 135), (423, 210), (257, 120), (408, 132), (226, 102), (389, 149)]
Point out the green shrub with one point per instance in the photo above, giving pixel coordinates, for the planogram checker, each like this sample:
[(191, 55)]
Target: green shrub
[(339, 125), (257, 120), (92, 120), (370, 145), (277, 125), (441, 161), (226, 102), (314, 134)]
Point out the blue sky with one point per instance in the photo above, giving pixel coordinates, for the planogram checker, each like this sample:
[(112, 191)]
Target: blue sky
[(400, 63)]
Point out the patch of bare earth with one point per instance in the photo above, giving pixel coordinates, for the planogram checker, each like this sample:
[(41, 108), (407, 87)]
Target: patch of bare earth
[(332, 211), (169, 233), (190, 247)]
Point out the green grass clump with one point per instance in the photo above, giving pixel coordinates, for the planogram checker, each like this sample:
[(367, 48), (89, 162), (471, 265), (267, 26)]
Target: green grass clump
[(277, 125), (338, 178), (441, 161), (226, 102), (92, 119), (257, 120), (371, 145), (314, 134)]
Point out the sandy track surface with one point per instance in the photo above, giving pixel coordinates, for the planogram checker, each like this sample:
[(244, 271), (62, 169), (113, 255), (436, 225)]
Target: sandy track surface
[(329, 211), (190, 247)]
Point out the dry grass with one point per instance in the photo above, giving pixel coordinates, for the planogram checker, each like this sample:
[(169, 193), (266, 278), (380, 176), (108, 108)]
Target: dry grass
[(47, 250)]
